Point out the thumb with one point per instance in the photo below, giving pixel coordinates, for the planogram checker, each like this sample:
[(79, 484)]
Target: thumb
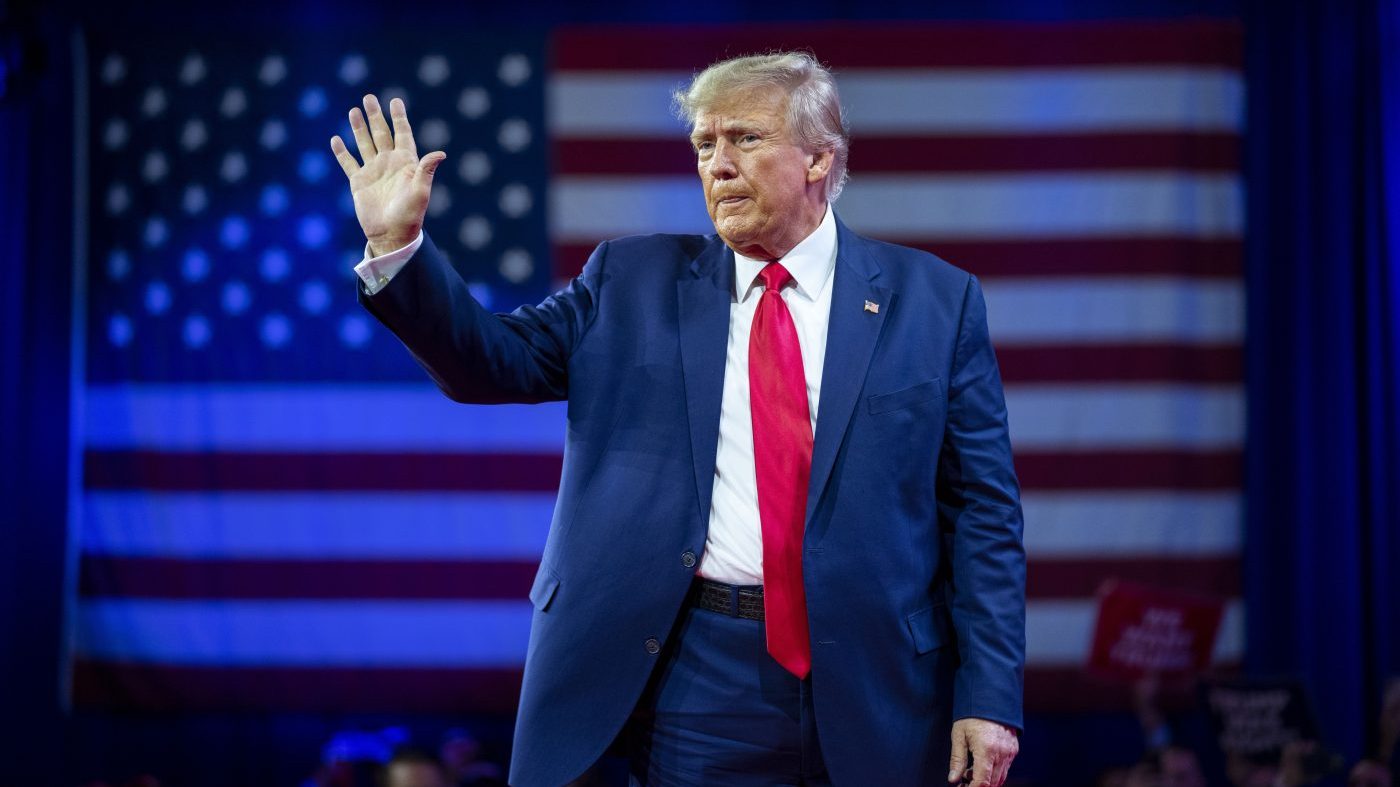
[(958, 763), (429, 164)]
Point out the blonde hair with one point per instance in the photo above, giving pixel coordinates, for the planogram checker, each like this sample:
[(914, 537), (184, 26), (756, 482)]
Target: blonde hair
[(813, 106)]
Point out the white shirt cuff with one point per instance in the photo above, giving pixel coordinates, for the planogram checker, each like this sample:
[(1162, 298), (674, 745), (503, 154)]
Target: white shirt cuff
[(376, 272)]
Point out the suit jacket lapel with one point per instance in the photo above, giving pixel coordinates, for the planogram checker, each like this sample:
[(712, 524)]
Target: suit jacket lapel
[(850, 342), (704, 301)]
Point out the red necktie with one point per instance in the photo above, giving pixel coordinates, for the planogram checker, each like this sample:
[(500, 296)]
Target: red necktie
[(782, 445)]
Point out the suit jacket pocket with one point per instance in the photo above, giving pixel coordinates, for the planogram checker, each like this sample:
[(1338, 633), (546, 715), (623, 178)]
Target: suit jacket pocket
[(930, 628), (897, 400), (544, 587)]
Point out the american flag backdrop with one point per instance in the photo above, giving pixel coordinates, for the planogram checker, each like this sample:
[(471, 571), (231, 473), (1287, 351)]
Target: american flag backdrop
[(277, 510)]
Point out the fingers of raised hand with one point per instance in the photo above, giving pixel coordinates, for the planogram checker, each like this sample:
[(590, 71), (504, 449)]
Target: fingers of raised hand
[(344, 157), (378, 127), (372, 134), (362, 138), (429, 164), (403, 132)]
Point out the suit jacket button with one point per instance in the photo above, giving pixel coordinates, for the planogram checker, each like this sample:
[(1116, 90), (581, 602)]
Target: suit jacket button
[(688, 559), (653, 647)]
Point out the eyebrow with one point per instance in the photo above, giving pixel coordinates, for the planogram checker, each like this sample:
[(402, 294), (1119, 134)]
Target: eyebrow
[(730, 127)]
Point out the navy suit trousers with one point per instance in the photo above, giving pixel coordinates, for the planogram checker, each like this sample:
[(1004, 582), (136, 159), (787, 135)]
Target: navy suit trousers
[(720, 710)]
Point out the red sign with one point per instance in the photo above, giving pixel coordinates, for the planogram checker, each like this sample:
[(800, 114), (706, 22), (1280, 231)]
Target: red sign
[(1144, 630)]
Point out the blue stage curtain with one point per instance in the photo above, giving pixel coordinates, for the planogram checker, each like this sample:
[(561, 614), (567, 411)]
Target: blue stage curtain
[(36, 257), (1322, 537)]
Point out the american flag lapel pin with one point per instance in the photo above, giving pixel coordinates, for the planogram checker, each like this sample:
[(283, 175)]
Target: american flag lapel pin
[(872, 307)]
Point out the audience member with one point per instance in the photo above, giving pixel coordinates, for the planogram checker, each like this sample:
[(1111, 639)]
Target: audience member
[(1369, 773), (461, 756), (411, 767)]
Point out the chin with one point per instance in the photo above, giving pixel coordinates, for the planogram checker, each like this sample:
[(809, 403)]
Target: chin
[(734, 230)]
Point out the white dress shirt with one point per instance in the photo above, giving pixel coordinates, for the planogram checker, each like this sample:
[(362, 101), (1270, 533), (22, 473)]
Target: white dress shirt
[(376, 272), (734, 545)]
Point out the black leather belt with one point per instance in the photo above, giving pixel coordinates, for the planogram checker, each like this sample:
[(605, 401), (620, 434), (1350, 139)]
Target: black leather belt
[(739, 601)]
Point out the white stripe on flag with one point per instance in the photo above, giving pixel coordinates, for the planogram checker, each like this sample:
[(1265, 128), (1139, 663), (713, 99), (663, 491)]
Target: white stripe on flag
[(314, 417), (299, 418), (1091, 310), (1141, 416), (1001, 206), (433, 633), (317, 525), (480, 526), (1060, 633), (626, 104), (306, 633), (1124, 524)]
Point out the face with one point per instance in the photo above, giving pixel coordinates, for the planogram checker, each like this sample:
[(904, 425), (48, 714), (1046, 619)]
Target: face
[(764, 192)]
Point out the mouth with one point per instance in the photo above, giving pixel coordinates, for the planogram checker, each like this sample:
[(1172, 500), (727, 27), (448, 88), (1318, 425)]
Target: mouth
[(731, 200)]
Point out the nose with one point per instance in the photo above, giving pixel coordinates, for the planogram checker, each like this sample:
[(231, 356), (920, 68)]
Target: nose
[(721, 163)]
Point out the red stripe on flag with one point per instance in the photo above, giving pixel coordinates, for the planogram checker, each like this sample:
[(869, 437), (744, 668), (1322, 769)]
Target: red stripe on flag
[(1167, 363), (1080, 577), (1196, 42), (1181, 152), (1173, 470), (319, 688), (1165, 256), (166, 687), (648, 156), (193, 471), (178, 578)]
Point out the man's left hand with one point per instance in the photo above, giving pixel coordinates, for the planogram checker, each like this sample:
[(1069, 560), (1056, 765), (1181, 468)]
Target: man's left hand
[(992, 747)]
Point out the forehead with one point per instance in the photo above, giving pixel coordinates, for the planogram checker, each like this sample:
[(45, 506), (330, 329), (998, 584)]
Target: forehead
[(755, 106)]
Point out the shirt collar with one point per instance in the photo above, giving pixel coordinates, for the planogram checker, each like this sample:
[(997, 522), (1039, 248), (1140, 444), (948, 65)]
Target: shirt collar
[(810, 262)]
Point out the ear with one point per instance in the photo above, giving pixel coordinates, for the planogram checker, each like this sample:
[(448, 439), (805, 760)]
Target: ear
[(819, 164)]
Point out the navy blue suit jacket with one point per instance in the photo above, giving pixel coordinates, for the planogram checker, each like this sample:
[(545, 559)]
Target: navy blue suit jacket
[(914, 568)]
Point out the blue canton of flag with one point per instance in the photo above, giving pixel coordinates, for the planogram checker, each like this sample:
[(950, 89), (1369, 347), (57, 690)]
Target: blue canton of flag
[(223, 236)]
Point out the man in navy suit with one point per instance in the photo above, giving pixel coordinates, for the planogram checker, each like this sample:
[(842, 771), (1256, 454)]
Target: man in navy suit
[(787, 544)]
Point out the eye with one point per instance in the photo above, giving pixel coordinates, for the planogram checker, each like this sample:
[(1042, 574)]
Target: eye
[(703, 146), (748, 138)]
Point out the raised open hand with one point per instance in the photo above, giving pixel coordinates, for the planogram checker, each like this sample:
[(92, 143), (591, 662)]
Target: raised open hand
[(391, 187)]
